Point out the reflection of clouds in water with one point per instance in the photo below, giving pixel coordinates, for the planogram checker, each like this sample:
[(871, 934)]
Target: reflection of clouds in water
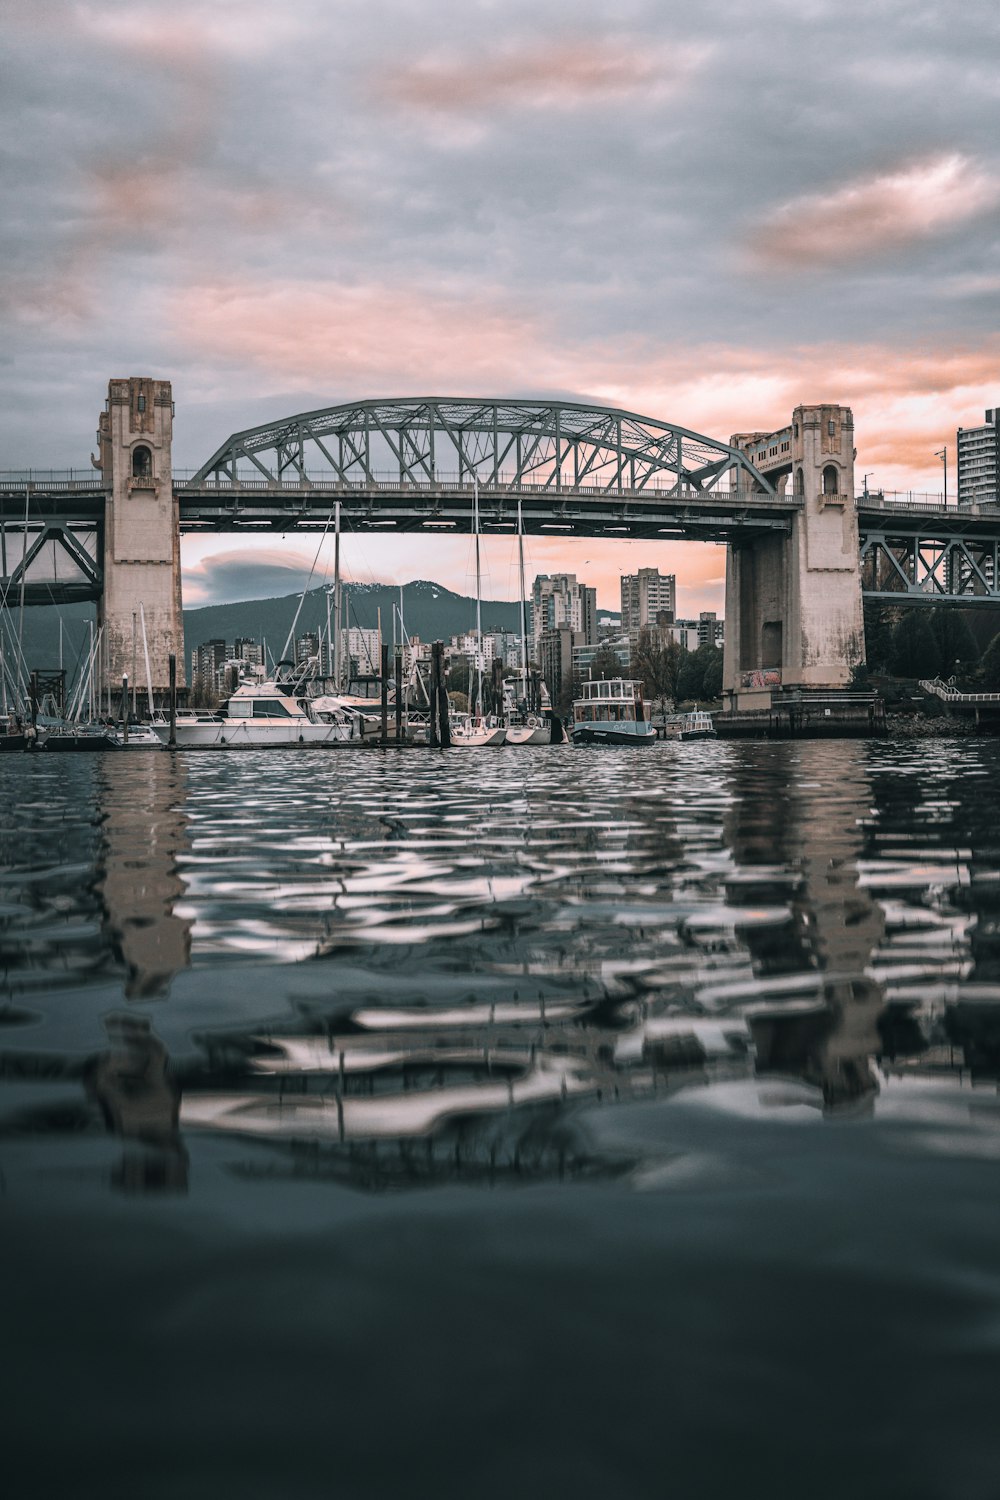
[(498, 948)]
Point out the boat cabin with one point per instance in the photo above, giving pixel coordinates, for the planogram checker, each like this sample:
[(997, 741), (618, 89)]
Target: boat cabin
[(609, 701), (263, 700)]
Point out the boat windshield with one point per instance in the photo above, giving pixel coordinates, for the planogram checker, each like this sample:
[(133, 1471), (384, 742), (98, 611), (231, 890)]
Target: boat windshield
[(259, 708)]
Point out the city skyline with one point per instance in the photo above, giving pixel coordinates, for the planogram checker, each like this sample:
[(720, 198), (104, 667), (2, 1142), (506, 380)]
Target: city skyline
[(218, 575)]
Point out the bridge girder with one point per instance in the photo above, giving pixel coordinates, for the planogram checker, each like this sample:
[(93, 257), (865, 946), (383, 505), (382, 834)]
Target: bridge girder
[(913, 566), (427, 441), (51, 562)]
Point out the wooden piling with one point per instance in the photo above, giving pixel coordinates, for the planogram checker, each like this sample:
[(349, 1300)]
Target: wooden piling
[(172, 668), (432, 707), (385, 693), (444, 727), (399, 695)]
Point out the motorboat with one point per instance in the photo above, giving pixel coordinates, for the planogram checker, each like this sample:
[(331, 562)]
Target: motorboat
[(85, 736), (611, 712), (257, 715), (474, 731), (140, 737), (696, 725)]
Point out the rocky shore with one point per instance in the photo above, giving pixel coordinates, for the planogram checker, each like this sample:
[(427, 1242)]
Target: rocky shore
[(920, 726)]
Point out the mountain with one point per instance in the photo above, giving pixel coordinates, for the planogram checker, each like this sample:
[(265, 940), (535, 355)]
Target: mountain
[(429, 611)]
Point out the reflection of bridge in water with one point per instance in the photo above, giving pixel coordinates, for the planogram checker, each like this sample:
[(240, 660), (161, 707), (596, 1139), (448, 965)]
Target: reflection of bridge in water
[(801, 547)]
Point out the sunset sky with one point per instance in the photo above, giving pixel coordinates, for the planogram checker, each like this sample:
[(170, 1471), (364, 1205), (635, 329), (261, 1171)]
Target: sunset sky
[(704, 212)]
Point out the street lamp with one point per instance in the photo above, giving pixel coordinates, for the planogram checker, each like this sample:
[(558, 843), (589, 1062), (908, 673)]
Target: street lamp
[(864, 484), (943, 456)]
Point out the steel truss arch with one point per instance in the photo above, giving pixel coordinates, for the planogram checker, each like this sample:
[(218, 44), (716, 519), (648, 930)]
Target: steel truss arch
[(434, 441)]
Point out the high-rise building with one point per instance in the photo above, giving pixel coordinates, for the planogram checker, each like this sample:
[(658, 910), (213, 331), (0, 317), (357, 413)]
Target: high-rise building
[(979, 462), (306, 646), (709, 628), (558, 601), (245, 648), (364, 651), (555, 657), (207, 661), (645, 595)]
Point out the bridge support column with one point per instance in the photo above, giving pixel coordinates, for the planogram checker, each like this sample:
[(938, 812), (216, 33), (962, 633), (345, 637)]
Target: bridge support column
[(793, 602), (142, 562)]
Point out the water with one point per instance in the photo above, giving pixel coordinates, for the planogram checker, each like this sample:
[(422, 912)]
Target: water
[(554, 1122)]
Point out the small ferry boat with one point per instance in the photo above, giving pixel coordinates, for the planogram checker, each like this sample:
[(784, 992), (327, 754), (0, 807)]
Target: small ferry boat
[(696, 725), (611, 713), (257, 715)]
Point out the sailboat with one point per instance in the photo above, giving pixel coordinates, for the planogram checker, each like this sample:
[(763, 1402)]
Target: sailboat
[(473, 730), (531, 729), (130, 734)]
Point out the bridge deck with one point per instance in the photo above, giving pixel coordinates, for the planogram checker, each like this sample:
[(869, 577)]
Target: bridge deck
[(915, 553)]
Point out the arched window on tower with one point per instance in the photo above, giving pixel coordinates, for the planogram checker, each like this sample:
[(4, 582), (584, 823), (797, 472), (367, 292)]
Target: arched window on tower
[(800, 482), (831, 480), (142, 462)]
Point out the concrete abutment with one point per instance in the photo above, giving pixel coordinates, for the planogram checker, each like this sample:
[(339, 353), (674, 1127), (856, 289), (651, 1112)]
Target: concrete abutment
[(142, 561), (793, 602)]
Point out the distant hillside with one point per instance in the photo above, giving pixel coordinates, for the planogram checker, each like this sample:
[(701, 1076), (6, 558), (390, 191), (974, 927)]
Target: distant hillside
[(429, 611)]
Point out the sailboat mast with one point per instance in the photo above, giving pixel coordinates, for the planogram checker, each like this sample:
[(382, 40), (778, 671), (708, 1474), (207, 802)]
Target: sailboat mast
[(145, 652), (524, 612), (479, 605), (24, 572), (336, 602)]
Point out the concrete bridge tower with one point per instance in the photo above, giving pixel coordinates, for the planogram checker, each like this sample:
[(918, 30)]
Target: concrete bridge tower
[(141, 535), (793, 603)]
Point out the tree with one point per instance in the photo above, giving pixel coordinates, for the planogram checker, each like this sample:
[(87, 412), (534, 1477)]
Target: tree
[(656, 666), (604, 665), (570, 690), (989, 666), (955, 640), (459, 678), (712, 683), (914, 651), (700, 674), (878, 635)]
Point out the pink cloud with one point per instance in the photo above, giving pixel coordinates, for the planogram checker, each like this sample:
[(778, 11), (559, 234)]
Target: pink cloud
[(875, 214), (313, 332), (542, 75), (368, 340)]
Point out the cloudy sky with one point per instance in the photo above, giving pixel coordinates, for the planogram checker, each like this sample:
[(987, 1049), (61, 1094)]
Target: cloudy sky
[(702, 211)]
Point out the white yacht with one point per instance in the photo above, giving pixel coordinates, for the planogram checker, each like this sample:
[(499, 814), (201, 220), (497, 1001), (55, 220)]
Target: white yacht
[(259, 714), (611, 712)]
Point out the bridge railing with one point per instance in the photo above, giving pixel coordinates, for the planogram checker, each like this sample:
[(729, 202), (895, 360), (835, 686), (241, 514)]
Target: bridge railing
[(46, 479), (390, 483), (950, 694), (893, 501)]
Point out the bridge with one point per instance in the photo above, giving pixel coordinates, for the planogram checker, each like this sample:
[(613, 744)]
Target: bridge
[(801, 545)]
